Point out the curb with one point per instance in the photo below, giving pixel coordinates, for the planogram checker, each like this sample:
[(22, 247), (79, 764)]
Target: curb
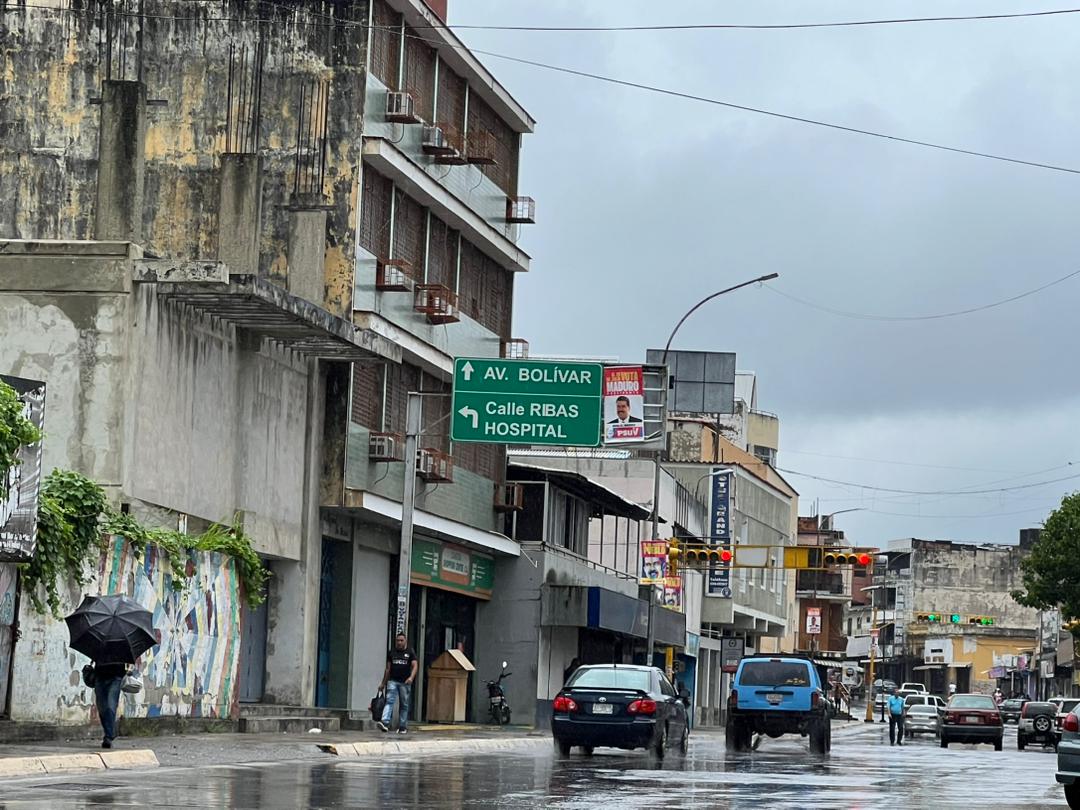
[(365, 749), (12, 767)]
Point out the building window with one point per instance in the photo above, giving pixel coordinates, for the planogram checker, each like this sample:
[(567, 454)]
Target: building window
[(367, 396), (419, 80), (504, 171), (385, 44), (485, 291), (375, 207), (568, 523), (442, 254), (410, 230)]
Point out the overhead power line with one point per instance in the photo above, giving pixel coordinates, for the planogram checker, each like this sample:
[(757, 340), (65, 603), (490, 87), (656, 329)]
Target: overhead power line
[(774, 114), (768, 26), (931, 491), (936, 316)]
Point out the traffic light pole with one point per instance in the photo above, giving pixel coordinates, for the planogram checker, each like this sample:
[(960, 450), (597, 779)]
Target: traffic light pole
[(873, 646)]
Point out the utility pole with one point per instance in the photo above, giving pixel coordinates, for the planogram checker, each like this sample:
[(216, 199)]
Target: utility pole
[(408, 506), (873, 645), (650, 631)]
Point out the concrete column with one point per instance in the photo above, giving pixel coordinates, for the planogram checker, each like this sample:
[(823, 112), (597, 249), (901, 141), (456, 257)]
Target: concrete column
[(240, 213), (307, 254), (121, 162)]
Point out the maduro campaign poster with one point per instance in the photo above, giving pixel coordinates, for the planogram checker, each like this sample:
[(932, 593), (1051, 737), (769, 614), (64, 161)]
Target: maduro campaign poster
[(673, 593), (624, 404), (654, 562)]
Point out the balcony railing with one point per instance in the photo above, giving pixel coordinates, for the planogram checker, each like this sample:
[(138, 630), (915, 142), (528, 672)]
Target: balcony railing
[(823, 582)]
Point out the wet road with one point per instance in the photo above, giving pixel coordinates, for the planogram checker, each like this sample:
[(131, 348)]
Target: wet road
[(862, 771)]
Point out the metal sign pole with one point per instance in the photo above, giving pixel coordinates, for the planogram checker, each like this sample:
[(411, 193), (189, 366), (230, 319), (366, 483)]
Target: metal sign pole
[(650, 631), (408, 505)]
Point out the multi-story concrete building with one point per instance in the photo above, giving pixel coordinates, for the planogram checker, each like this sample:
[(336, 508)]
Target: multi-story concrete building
[(232, 244), (944, 615)]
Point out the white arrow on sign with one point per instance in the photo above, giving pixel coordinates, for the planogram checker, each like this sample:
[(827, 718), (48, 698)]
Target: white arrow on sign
[(467, 412), (466, 371)]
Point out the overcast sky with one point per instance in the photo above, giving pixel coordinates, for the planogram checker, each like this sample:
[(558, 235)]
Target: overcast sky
[(646, 203)]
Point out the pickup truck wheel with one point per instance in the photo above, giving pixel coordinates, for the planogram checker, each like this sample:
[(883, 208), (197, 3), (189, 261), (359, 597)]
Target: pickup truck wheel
[(819, 736), (1072, 795)]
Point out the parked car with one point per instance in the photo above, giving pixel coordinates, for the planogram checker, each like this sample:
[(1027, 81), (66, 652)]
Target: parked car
[(776, 695), (925, 700), (1068, 756), (972, 718), (620, 706), (921, 718), (1037, 724), (1064, 706), (914, 687), (885, 685), (1010, 709)]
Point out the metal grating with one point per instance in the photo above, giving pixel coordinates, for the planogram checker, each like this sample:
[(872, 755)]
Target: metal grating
[(266, 310)]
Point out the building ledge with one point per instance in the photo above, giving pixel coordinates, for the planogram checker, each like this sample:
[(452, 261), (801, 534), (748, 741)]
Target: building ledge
[(821, 596), (391, 162), (265, 310)]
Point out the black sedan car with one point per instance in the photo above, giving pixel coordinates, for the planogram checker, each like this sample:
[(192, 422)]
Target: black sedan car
[(620, 706), (1011, 708)]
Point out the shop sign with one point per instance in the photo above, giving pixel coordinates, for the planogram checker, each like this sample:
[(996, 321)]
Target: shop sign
[(731, 654), (452, 568)]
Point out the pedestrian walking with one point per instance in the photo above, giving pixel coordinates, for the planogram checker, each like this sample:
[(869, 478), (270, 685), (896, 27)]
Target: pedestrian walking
[(108, 678), (896, 719), (401, 666)]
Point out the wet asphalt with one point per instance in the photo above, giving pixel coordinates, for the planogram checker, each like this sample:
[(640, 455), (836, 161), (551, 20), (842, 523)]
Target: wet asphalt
[(862, 771)]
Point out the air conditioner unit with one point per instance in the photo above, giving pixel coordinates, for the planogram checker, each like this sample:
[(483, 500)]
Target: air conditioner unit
[(386, 447), (434, 465), (400, 108), (393, 275), (521, 210), (515, 349), (438, 302), (435, 142), (509, 497)]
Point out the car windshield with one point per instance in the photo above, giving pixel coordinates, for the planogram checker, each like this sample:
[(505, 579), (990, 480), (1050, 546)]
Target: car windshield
[(922, 708), (775, 673), (1012, 703), (1040, 708), (911, 700), (611, 678), (972, 702)]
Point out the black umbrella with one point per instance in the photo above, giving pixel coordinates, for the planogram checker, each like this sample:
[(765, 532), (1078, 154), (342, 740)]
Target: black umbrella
[(111, 629)]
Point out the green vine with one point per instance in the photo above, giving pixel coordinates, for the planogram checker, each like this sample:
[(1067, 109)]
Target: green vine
[(74, 518), (15, 431)]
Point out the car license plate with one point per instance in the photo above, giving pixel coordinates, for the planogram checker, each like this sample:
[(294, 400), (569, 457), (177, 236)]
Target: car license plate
[(603, 708), (973, 719), (774, 698)]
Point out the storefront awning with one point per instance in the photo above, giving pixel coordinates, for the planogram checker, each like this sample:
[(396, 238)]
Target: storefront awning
[(578, 484)]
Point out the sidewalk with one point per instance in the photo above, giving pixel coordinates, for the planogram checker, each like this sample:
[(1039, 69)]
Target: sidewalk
[(202, 750)]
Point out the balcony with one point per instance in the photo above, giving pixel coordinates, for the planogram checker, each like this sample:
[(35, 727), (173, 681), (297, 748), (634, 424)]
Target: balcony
[(824, 585)]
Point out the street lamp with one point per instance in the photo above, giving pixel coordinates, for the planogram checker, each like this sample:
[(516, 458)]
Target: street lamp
[(650, 637)]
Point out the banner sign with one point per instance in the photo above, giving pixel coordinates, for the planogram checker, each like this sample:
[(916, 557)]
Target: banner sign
[(673, 593), (654, 562), (719, 580), (19, 485), (813, 621), (452, 568), (624, 404)]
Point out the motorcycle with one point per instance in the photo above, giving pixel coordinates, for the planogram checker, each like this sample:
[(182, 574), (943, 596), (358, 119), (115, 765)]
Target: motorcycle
[(500, 707)]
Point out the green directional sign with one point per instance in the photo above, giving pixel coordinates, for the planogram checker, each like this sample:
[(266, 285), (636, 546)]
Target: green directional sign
[(526, 402)]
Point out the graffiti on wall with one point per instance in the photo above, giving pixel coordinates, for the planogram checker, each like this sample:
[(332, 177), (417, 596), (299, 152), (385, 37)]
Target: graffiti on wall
[(193, 670)]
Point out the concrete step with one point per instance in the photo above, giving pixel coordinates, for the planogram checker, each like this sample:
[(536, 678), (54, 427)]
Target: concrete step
[(278, 710), (287, 725)]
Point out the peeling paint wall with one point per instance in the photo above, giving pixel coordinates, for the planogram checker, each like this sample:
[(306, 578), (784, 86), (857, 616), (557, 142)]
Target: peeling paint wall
[(52, 65), (191, 673)]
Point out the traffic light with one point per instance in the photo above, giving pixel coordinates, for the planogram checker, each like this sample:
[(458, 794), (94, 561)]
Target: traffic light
[(928, 618), (674, 552), (845, 557), (712, 556), (982, 621), (954, 618)]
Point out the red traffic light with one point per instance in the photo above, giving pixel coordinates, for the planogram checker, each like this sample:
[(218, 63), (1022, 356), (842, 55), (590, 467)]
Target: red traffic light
[(725, 556), (865, 559)]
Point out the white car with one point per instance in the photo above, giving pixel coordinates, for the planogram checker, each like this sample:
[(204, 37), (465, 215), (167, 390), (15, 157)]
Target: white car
[(914, 687), (921, 719)]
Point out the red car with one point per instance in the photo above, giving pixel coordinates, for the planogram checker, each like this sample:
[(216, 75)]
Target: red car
[(972, 719)]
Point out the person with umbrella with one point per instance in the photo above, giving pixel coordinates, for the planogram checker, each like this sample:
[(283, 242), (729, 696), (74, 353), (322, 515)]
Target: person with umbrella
[(112, 631)]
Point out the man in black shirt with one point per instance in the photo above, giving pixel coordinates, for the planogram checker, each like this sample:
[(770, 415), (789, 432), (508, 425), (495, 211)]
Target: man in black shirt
[(401, 666), (108, 679)]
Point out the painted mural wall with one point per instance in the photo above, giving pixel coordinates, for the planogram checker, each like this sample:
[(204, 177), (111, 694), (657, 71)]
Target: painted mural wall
[(191, 673)]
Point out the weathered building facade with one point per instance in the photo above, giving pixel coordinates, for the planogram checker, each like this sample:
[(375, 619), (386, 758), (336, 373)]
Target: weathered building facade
[(234, 238)]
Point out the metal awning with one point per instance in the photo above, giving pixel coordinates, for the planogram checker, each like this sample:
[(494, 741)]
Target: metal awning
[(580, 485), (266, 310)]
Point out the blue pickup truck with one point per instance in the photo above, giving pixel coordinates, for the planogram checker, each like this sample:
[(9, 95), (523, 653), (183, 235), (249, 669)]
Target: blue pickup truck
[(776, 695)]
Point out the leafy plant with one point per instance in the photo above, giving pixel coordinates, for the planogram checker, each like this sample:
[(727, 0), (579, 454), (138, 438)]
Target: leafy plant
[(15, 430), (1051, 573)]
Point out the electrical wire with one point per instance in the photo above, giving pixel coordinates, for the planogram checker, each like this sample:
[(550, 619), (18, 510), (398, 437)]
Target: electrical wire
[(937, 316), (1040, 510), (765, 26), (640, 86), (928, 492), (891, 461)]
